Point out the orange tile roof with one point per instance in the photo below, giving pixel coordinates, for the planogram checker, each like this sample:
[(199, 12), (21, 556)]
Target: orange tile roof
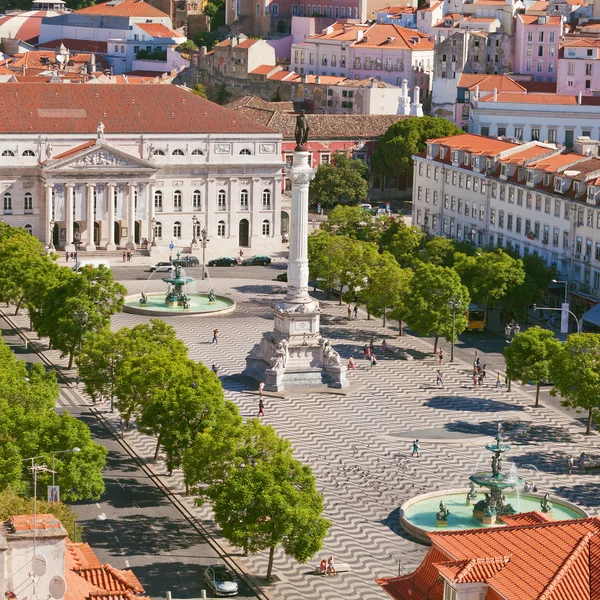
[(377, 36), (489, 82), (562, 99), (77, 45), (479, 19), (340, 31), (551, 164), (582, 43), (431, 7), (158, 30), (243, 44), (527, 153), (126, 8), (472, 570), (534, 19), (264, 69), (477, 144), (531, 518), (75, 150), (19, 523), (80, 556)]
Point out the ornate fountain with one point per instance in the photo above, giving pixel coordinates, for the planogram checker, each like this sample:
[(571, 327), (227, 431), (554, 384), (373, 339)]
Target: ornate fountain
[(494, 505), (176, 292)]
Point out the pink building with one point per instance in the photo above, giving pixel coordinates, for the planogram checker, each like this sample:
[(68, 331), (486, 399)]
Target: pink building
[(537, 42), (579, 67)]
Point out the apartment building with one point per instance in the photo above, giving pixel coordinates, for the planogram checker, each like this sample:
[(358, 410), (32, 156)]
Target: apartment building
[(579, 66), (534, 198), (537, 42)]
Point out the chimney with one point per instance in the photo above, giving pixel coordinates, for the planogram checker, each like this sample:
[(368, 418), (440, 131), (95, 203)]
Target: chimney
[(476, 92), (203, 50), (233, 42), (24, 69), (304, 78), (416, 94), (374, 82), (359, 35), (404, 88), (579, 96), (317, 79), (495, 94)]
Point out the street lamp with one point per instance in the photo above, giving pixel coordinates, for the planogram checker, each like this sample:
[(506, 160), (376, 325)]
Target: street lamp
[(80, 318), (511, 330), (566, 288), (454, 304), (194, 224), (536, 307), (205, 240), (153, 244), (76, 243), (73, 450)]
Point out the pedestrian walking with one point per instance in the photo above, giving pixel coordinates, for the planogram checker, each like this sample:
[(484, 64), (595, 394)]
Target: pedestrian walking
[(351, 364), (480, 379), (581, 462), (570, 463), (356, 311), (121, 427), (438, 378), (498, 381), (483, 371), (261, 387), (215, 369), (371, 343), (66, 256), (215, 339), (367, 352), (475, 379), (349, 312), (415, 448), (261, 407), (373, 360), (241, 253), (441, 355), (124, 256)]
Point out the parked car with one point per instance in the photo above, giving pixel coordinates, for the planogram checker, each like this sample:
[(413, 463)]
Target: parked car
[(222, 261), (161, 267), (187, 261), (256, 260), (282, 276), (221, 580)]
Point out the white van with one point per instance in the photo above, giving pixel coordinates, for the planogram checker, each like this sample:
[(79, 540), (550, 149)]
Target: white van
[(91, 263)]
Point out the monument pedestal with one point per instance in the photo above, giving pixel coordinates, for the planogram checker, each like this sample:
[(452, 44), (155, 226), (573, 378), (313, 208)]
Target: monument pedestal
[(295, 355)]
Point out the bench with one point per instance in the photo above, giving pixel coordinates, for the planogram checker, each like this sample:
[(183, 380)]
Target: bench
[(340, 567)]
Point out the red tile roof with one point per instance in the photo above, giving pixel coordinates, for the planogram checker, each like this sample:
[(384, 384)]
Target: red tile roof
[(562, 99), (243, 44), (477, 144), (58, 108), (431, 7), (534, 20), (378, 34), (158, 30), (531, 518), (19, 523), (489, 83), (264, 69), (126, 8), (472, 570)]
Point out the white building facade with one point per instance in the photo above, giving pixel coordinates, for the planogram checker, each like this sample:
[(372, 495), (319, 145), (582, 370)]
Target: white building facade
[(126, 164), (533, 198)]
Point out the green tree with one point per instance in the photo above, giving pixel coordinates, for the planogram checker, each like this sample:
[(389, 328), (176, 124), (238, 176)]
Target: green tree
[(205, 38), (489, 276), (575, 371), (439, 251), (210, 10), (320, 263), (93, 291), (529, 355), (261, 496), (344, 178), (405, 242), (188, 47), (350, 261), (200, 90), (223, 94), (405, 138), (353, 221), (427, 310)]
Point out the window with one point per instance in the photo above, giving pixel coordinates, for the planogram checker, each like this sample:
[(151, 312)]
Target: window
[(493, 216), (501, 219), (519, 133), (177, 229), (557, 208), (266, 228), (177, 200), (28, 202), (518, 223), (266, 199), (8, 153), (530, 36), (565, 240), (197, 152), (540, 66), (588, 84), (551, 40), (528, 64), (7, 202), (28, 153), (546, 237), (158, 201), (547, 204), (529, 49), (197, 200), (221, 200), (158, 152), (158, 230), (178, 152), (571, 68), (221, 229), (29, 229), (245, 152), (535, 134), (136, 49), (555, 235), (244, 200), (509, 222), (588, 68), (519, 197), (538, 202)]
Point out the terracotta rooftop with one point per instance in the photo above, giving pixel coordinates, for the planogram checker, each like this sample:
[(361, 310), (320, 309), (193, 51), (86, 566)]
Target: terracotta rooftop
[(126, 8), (158, 30), (431, 7), (534, 20), (557, 560), (264, 69), (340, 31), (489, 83), (519, 157), (77, 45), (408, 39), (561, 99), (18, 523), (477, 144), (58, 108), (243, 44)]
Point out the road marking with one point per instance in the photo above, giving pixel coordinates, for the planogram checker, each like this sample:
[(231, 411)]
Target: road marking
[(138, 507), (127, 564), (116, 539), (153, 528), (98, 505)]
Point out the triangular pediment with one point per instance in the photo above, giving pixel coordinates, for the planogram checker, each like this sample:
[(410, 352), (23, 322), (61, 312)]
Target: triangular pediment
[(97, 156)]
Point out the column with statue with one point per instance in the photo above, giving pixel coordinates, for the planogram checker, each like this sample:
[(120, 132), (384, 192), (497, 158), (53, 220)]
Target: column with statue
[(295, 354)]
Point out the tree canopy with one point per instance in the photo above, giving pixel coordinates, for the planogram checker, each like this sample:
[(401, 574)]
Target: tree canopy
[(393, 155)]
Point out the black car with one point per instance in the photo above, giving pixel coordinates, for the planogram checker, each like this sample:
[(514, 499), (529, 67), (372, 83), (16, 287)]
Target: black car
[(222, 261), (256, 260), (188, 261)]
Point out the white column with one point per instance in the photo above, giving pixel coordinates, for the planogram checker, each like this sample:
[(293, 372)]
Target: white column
[(49, 212), (131, 214), (70, 198), (90, 246), (110, 216), (151, 213), (300, 175)]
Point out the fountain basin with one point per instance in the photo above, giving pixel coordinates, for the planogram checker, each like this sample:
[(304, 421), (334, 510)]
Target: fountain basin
[(500, 480), (418, 514), (156, 306)]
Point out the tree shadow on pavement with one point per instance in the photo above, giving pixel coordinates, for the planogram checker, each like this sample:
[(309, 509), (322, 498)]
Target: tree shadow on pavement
[(583, 493), (477, 405), (544, 461), (480, 428), (539, 434)]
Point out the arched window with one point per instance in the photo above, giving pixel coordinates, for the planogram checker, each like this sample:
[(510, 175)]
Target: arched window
[(221, 229), (8, 153), (177, 200), (266, 199), (198, 230), (178, 152), (244, 200), (158, 152), (28, 201), (221, 200), (28, 153), (266, 228), (197, 200), (158, 201), (29, 229), (7, 202), (158, 230), (197, 152), (177, 229), (246, 152)]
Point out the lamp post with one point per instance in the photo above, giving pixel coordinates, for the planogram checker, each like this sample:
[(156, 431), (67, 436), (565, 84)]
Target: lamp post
[(536, 307), (73, 450), (153, 244), (194, 225), (566, 288), (205, 240), (76, 243), (454, 304), (80, 318)]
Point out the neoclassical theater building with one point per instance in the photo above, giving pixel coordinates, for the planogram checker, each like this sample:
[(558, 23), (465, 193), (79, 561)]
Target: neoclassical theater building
[(124, 164)]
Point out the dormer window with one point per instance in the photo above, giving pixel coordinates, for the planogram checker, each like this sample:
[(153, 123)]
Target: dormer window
[(488, 164), (450, 593), (557, 184), (591, 192), (521, 173), (530, 176), (546, 179), (466, 159), (575, 187), (454, 156), (442, 152), (503, 171), (475, 162), (429, 151)]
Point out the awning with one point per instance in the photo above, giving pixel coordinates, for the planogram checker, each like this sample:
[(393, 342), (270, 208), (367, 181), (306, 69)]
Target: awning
[(593, 315)]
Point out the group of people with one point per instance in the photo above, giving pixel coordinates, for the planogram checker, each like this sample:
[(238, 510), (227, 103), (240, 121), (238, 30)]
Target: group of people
[(351, 310), (127, 255), (69, 254), (327, 566), (479, 372), (580, 463), (369, 354)]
